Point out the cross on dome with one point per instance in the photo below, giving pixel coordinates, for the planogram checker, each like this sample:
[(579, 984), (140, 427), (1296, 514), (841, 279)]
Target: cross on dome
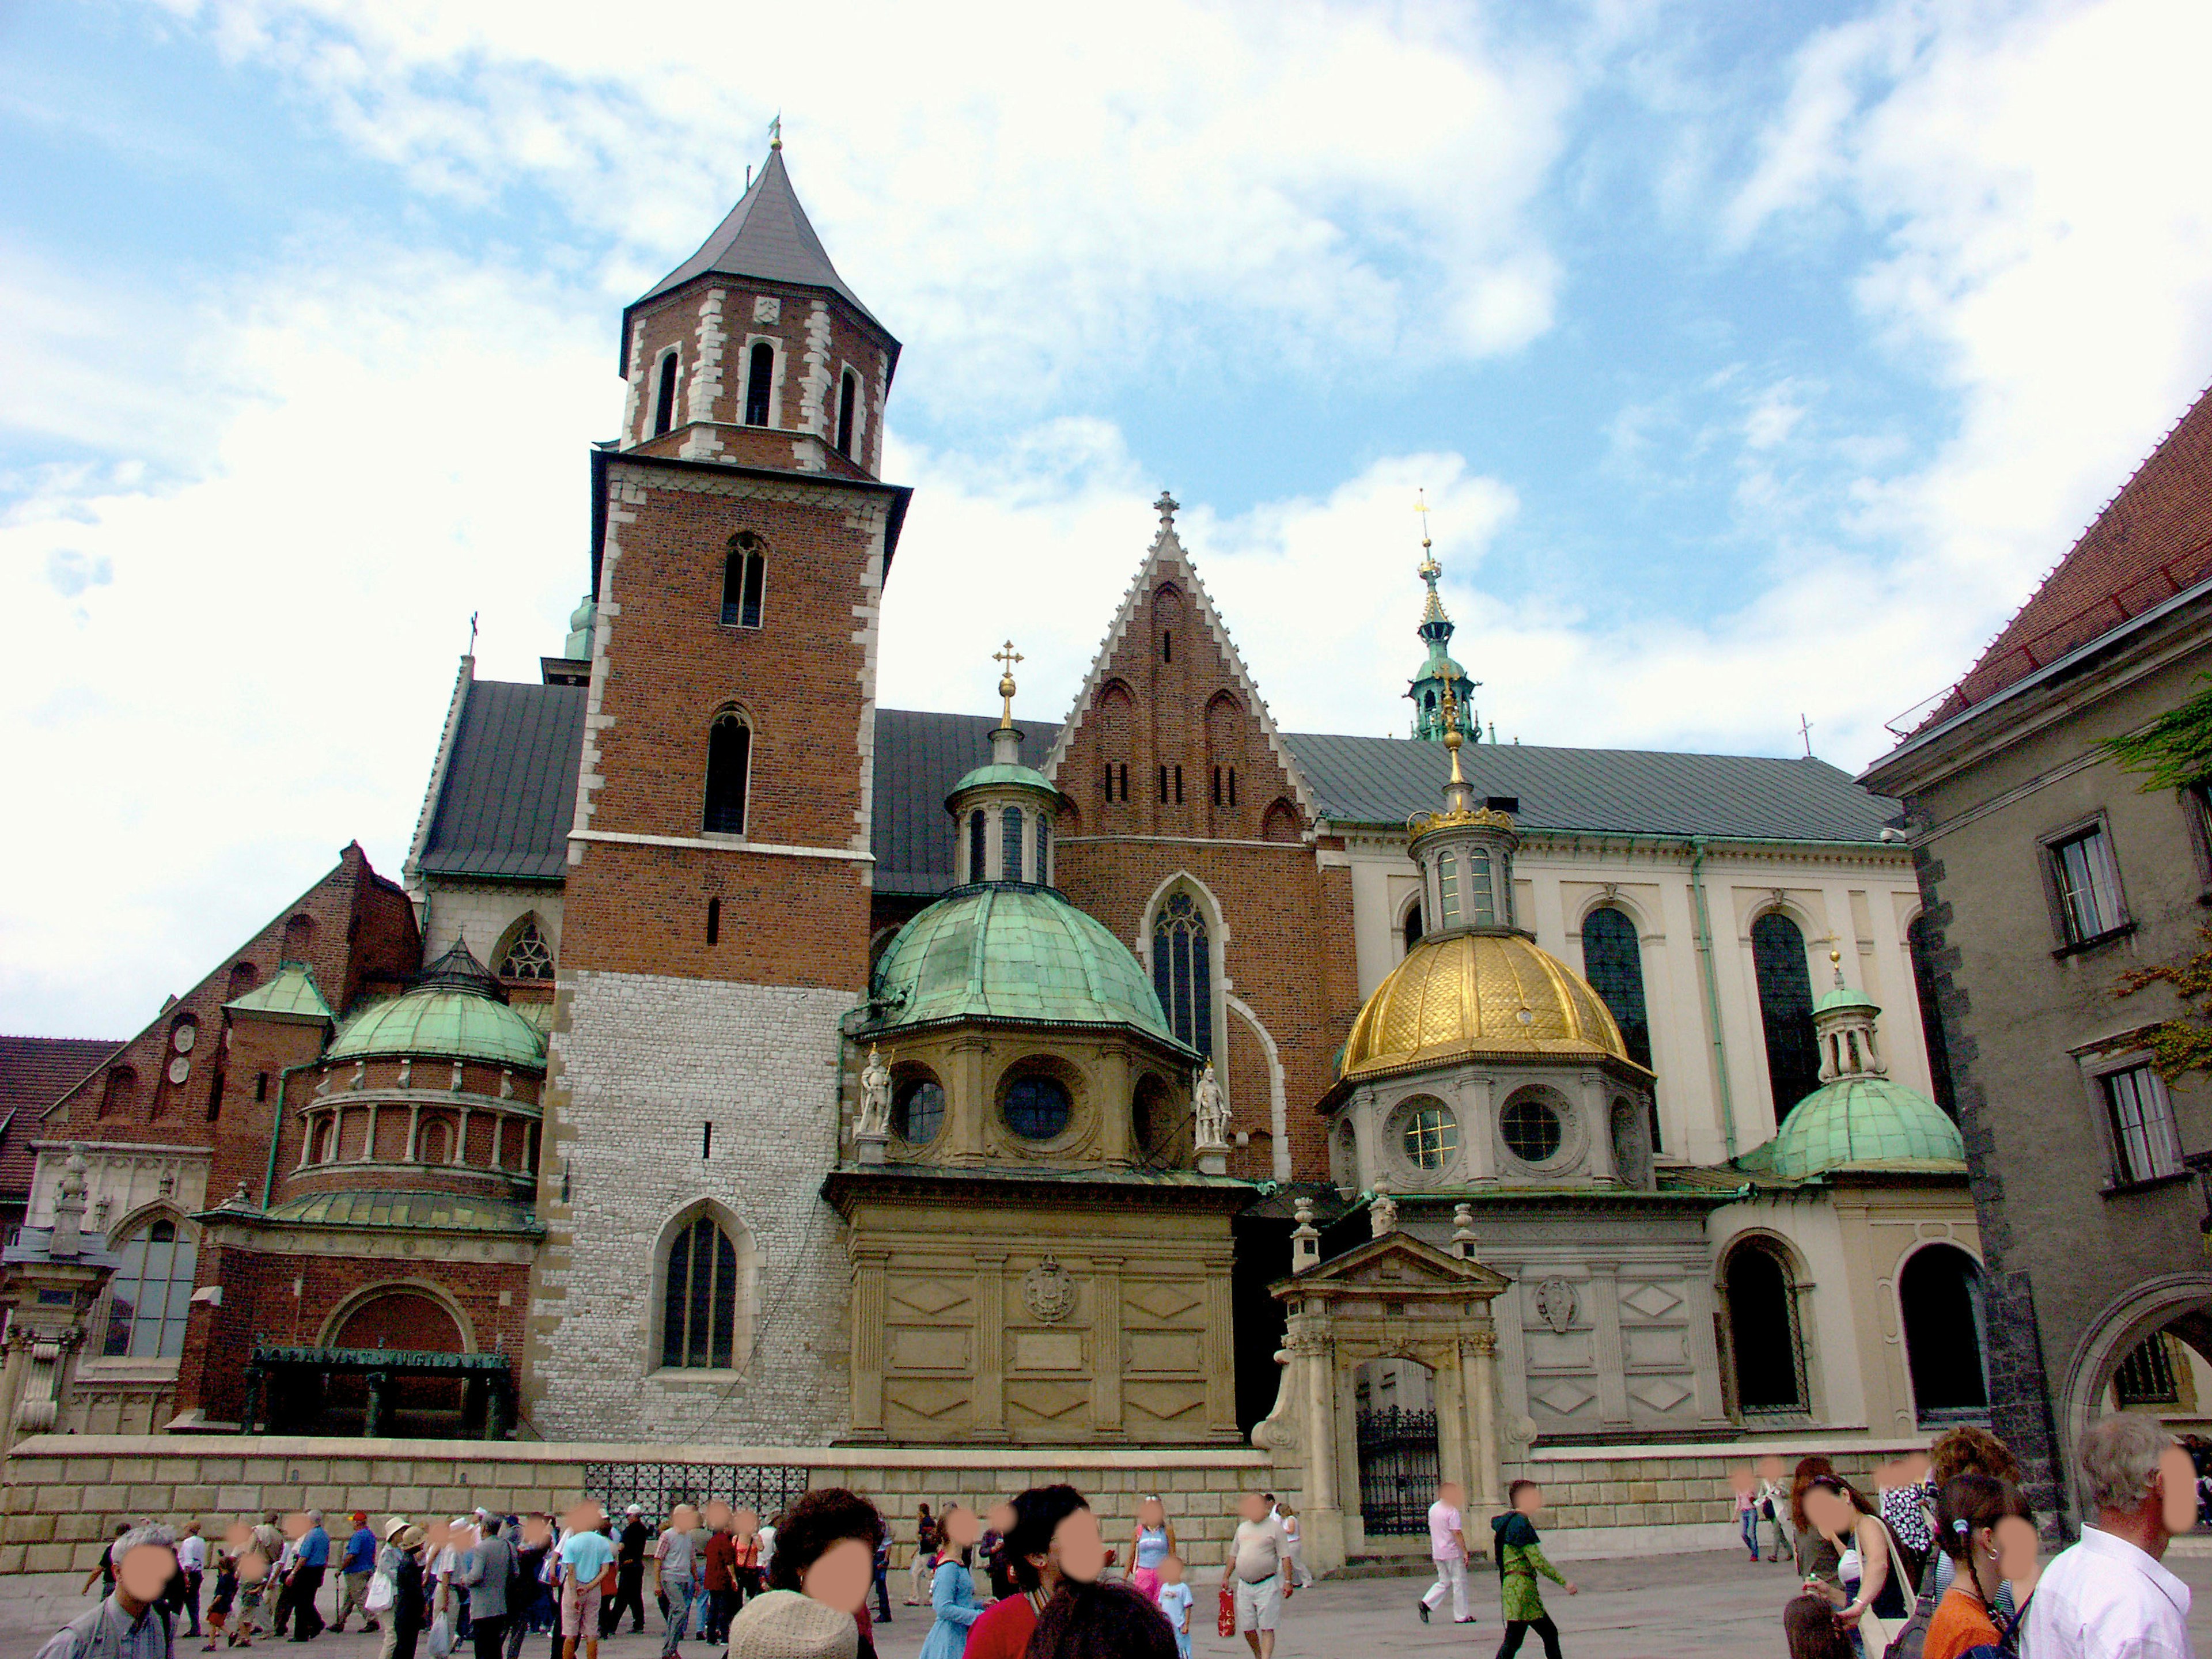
[(1007, 657)]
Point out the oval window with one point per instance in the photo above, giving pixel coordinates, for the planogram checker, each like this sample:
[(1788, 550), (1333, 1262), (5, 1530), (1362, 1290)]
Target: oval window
[(1037, 1106), (1431, 1136), (1532, 1130), (918, 1112)]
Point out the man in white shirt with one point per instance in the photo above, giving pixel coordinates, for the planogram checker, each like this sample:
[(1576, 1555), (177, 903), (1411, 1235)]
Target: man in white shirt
[(191, 1561), (2108, 1597), (1447, 1550)]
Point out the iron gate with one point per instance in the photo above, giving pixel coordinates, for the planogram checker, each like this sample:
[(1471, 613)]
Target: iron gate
[(1397, 1470), (657, 1488)]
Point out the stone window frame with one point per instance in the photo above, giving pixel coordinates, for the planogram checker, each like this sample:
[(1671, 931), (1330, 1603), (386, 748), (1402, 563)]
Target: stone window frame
[(745, 1320), (511, 935), (1798, 1288), (1082, 1107), (1412, 905), (856, 441), (665, 386), (2095, 1066), (139, 1220), (2049, 846), (730, 710), (1937, 1418), (1574, 1130), (776, 371), (1403, 1166), (1217, 937)]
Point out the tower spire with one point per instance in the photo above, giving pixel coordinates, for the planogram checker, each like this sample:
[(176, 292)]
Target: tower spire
[(1442, 692)]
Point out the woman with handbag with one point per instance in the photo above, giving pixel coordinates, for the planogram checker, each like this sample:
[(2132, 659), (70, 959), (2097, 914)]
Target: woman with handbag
[(1873, 1595)]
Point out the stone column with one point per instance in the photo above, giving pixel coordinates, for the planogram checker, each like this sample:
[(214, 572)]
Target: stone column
[(1478, 1366), (989, 1417), (971, 1109), (1455, 1445), (1220, 1352), (869, 1267), (11, 1382), (1106, 1357), (368, 1145), (1603, 1290), (373, 1420), (1115, 1105)]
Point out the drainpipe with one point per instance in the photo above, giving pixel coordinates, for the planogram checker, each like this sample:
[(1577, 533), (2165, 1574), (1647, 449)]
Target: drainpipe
[(1705, 973), (276, 1129)]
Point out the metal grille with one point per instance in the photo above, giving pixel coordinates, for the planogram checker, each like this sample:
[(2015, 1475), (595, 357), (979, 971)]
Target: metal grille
[(766, 1490), (1397, 1470)]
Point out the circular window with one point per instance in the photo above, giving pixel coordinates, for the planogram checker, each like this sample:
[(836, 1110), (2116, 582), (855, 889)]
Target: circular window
[(1430, 1136), (1532, 1130), (918, 1111), (1037, 1106)]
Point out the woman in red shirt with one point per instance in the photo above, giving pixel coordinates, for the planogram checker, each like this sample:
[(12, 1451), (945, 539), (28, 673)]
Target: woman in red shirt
[(1054, 1539), (1967, 1512)]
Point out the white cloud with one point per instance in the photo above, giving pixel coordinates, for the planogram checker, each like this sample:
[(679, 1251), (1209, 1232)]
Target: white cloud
[(1031, 201)]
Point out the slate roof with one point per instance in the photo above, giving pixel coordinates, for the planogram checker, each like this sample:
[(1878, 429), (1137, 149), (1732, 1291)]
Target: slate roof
[(1609, 791), (2153, 540), (509, 798), (919, 757), (768, 236), (34, 1073)]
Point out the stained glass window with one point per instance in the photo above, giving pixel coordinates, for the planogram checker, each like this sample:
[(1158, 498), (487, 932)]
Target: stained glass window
[(529, 957), (699, 1315), (150, 1296), (1182, 972)]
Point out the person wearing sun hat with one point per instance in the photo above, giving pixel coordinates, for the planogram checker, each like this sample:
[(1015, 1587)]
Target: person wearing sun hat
[(783, 1624)]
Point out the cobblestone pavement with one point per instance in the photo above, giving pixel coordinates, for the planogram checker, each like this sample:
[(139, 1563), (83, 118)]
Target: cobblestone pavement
[(1714, 1606)]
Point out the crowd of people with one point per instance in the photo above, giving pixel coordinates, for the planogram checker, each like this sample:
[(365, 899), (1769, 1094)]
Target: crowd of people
[(1941, 1565)]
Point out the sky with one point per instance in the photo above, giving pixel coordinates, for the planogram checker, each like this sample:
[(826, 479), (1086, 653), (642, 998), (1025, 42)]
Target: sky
[(1756, 361)]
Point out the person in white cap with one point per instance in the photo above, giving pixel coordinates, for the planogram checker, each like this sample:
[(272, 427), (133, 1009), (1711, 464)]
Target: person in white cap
[(631, 1541)]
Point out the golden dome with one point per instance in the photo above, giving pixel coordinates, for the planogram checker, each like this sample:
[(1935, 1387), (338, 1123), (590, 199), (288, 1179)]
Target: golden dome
[(1469, 994)]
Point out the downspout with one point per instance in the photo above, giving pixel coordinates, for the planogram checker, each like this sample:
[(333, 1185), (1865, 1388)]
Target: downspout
[(276, 1129), (1706, 974)]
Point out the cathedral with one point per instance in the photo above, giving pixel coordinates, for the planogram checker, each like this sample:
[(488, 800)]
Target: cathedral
[(734, 1062)]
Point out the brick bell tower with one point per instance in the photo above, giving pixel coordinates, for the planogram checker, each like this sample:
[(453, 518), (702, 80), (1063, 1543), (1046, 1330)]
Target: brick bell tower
[(691, 1286)]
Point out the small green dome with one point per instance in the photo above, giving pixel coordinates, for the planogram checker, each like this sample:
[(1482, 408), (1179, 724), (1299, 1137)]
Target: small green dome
[(1845, 997), (1012, 953), (582, 622), (1858, 1120), (455, 1011), (1001, 775)]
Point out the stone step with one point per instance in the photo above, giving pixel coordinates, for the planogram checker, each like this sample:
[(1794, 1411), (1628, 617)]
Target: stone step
[(1395, 1566)]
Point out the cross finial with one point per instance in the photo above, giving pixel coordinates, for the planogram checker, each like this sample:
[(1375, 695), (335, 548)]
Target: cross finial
[(472, 633), (1007, 657), (775, 131), (1805, 731), (1166, 507)]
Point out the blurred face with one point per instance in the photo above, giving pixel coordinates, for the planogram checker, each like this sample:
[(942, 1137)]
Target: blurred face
[(718, 1515), (1171, 1569), (1908, 1471), (144, 1573), (961, 1527), (537, 1531), (2017, 1550), (1253, 1507), (1830, 1511), (840, 1575), (586, 1517), (295, 1525), (744, 1524), (1743, 1480), (1449, 1492), (683, 1518), (1002, 1518), (1530, 1500), (437, 1535), (2178, 1476), (1152, 1513), (1077, 1549), (1769, 1469)]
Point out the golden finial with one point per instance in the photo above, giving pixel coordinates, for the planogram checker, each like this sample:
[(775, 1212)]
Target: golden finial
[(1430, 569), (1453, 736), (1836, 961), (1007, 658), (775, 131)]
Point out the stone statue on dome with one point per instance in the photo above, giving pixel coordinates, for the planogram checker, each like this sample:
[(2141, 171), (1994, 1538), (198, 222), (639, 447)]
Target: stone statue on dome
[(875, 1097), (1211, 1110)]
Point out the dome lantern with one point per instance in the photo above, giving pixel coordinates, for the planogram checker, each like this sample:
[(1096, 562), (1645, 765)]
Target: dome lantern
[(1466, 852), (1003, 813)]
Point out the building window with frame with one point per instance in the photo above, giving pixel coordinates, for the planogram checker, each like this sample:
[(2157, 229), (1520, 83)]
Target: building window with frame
[(1612, 962), (729, 772), (975, 844), (2145, 1144), (2088, 884), (1010, 843), (1785, 1010), (664, 401), (2148, 1376), (744, 578), (1043, 851), (150, 1296), (699, 1308), (528, 955), (1480, 898), (1182, 972), (1765, 1348), (760, 382), (848, 399)]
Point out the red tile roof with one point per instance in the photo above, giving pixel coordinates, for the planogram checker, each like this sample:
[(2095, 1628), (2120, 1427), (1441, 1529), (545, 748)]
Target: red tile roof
[(34, 1073), (2152, 540)]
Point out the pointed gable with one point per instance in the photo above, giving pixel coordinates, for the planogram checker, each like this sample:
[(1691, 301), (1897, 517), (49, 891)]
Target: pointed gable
[(2153, 540), (1142, 707), (1396, 1266)]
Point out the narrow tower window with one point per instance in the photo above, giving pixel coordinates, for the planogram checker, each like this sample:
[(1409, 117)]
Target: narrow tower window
[(1167, 647), (1447, 889), (729, 764), (1478, 894), (1010, 844), (663, 402), (744, 576), (1232, 786), (848, 397), (975, 844), (1044, 852), (1124, 780), (714, 921), (1164, 785), (1178, 786), (759, 381)]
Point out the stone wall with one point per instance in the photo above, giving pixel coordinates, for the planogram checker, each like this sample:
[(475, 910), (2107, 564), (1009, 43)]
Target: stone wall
[(1602, 1490), (64, 1493)]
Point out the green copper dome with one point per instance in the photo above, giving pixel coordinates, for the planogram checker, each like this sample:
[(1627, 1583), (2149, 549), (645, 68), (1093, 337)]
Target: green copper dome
[(1012, 953), (455, 1011), (582, 622), (1845, 997), (1858, 1120), (1001, 775)]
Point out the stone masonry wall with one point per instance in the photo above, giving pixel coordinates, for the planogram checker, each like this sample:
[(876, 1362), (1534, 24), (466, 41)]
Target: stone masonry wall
[(640, 1063), (64, 1493)]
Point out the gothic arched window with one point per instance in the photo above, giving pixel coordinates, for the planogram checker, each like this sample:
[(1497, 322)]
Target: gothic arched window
[(760, 382), (151, 1294), (528, 955), (848, 397), (664, 401), (1763, 1335), (1010, 844), (1612, 962), (975, 845), (1447, 888), (1182, 972), (1785, 1008), (729, 767), (745, 574), (699, 1311), (1412, 924)]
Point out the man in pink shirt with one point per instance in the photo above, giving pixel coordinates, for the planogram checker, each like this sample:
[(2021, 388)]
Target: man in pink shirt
[(1447, 1549)]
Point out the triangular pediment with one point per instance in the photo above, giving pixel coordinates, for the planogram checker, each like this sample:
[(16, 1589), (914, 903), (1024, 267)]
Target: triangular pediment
[(1397, 1264)]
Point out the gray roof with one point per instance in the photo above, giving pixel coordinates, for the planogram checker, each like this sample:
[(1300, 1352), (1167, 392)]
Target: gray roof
[(510, 794), (766, 236), (1631, 791)]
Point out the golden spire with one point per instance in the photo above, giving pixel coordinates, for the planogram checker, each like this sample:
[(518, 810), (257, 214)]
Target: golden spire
[(1453, 736), (1007, 658), (1429, 570)]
